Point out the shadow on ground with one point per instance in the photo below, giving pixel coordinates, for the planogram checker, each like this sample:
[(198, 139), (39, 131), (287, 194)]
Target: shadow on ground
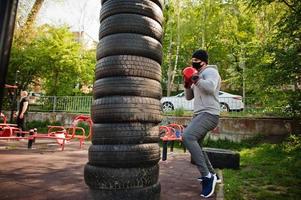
[(52, 174)]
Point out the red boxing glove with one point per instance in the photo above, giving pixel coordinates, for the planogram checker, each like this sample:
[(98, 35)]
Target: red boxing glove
[(190, 75)]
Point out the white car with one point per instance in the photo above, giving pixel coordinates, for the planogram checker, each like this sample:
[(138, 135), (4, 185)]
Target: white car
[(228, 102)]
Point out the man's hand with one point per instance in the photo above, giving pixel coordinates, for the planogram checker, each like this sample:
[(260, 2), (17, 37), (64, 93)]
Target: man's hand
[(21, 116), (187, 84), (195, 78)]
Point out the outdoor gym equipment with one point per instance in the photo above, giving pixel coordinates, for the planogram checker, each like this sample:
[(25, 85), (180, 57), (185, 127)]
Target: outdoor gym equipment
[(219, 158), (58, 133), (2, 116), (8, 131), (66, 134), (169, 134), (62, 135)]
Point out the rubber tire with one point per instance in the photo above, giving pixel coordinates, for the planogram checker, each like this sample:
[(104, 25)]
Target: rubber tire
[(131, 23), (125, 133), (222, 158), (159, 2), (146, 193), (117, 109), (126, 65), (226, 106), (140, 7), (120, 178), (128, 86), (127, 155), (129, 44)]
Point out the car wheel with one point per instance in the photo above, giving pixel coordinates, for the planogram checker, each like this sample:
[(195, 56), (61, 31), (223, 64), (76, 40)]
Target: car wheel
[(124, 156), (159, 2), (128, 86), (146, 193), (114, 178), (140, 7), (128, 65), (224, 107), (125, 133), (130, 23), (167, 106), (121, 109)]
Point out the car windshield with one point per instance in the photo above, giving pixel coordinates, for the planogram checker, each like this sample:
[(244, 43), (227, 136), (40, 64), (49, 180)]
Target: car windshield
[(181, 94)]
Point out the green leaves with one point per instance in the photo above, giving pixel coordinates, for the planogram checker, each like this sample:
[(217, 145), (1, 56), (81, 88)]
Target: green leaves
[(256, 41), (53, 59)]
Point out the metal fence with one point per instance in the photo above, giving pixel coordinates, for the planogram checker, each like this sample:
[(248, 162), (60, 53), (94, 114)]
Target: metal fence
[(250, 106), (74, 104), (227, 104), (82, 104)]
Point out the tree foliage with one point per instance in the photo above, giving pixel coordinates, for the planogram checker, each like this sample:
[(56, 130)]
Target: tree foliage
[(53, 58), (48, 56), (279, 69), (254, 43)]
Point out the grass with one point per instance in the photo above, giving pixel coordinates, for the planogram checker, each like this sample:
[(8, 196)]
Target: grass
[(180, 112), (238, 146), (268, 171)]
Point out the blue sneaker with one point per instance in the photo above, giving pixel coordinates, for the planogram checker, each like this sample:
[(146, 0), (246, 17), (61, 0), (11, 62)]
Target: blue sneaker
[(218, 180), (208, 186)]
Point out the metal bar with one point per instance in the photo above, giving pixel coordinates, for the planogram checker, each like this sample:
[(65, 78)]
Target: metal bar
[(54, 104), (8, 10), (164, 151)]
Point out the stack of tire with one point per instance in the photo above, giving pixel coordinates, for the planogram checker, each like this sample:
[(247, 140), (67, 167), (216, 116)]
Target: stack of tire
[(124, 155)]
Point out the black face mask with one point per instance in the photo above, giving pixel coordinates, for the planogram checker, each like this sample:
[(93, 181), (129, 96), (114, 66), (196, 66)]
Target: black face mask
[(196, 65)]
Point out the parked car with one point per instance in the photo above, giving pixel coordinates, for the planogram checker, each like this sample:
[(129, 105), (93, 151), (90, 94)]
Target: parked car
[(228, 102), (34, 97)]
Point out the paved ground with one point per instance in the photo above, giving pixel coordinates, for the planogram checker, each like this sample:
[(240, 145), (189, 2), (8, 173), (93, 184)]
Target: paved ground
[(46, 173)]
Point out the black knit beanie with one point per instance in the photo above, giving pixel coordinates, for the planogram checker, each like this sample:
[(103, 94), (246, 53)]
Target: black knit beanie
[(201, 54)]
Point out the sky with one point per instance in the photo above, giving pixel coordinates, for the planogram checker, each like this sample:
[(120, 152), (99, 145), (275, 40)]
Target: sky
[(78, 14)]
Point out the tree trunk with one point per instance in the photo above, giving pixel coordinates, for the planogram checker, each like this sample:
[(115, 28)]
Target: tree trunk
[(170, 71), (53, 90), (32, 16), (175, 66), (178, 49)]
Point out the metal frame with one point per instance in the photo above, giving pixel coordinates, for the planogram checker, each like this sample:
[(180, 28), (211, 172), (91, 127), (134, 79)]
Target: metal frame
[(8, 11)]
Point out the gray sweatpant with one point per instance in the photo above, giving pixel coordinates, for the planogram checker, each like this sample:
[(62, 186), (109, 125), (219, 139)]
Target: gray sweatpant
[(196, 131)]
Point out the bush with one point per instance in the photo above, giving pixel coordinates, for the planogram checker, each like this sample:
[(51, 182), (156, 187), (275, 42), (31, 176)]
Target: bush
[(41, 126)]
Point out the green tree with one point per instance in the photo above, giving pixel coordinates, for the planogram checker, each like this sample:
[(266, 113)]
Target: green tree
[(55, 59), (279, 69), (65, 64), (219, 27)]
